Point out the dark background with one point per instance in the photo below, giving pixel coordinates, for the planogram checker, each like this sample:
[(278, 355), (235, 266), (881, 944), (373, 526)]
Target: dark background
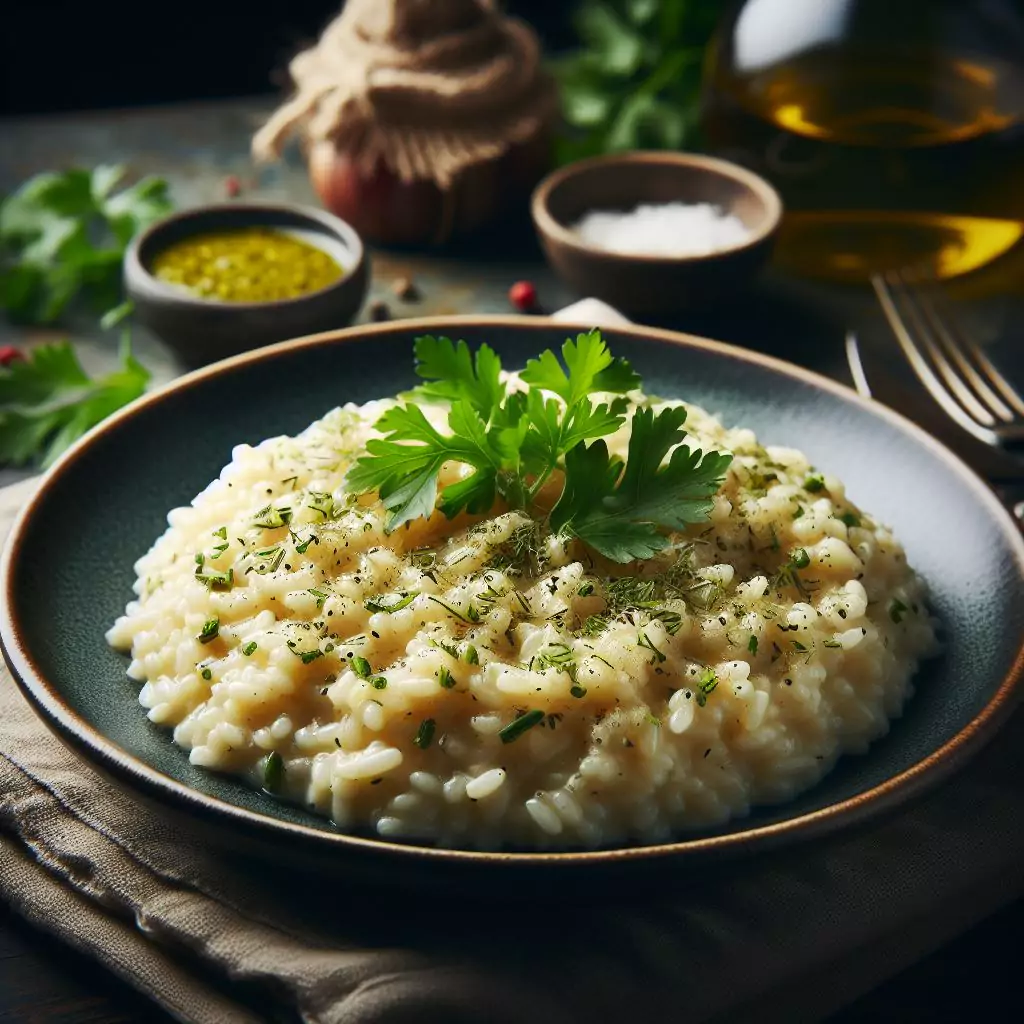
[(59, 55)]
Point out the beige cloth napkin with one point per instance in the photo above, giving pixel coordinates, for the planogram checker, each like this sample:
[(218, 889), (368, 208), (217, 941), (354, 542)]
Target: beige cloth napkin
[(788, 936)]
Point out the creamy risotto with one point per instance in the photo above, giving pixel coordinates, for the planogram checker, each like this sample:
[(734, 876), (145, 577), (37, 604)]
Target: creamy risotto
[(479, 681)]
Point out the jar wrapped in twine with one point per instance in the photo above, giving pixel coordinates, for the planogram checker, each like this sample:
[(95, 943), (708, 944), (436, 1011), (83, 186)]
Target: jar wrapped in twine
[(421, 119)]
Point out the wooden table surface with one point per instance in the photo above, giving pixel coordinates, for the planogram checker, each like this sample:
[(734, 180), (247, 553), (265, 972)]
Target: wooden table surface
[(195, 147)]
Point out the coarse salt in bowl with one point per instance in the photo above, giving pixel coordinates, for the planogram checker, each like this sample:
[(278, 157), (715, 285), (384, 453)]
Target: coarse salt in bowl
[(667, 229)]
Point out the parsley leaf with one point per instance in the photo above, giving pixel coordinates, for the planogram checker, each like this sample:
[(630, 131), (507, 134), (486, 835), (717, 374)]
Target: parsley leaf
[(555, 430), (591, 367), (64, 235), (452, 374), (617, 510), (405, 474), (47, 401)]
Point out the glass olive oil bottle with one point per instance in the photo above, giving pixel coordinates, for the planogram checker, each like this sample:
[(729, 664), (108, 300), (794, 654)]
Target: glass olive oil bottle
[(892, 128)]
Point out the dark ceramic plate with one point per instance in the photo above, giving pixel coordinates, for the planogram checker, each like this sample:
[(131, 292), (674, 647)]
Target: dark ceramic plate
[(68, 574)]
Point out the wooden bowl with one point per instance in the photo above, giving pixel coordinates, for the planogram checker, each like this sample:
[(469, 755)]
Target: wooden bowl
[(657, 285), (203, 330)]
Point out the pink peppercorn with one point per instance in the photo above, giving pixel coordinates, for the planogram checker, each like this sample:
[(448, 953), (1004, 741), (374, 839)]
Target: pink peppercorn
[(523, 295)]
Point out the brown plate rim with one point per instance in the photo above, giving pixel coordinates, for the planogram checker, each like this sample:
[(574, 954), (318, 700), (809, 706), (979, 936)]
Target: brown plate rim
[(45, 697)]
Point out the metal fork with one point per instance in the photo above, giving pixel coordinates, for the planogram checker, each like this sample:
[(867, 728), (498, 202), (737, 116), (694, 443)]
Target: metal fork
[(1010, 492), (956, 373)]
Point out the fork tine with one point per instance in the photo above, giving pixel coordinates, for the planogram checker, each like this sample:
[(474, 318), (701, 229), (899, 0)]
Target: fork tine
[(856, 365), (920, 365), (962, 350), (999, 381), (954, 383)]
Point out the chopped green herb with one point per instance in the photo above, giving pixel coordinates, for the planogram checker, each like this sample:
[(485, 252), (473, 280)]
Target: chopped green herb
[(577, 691), (445, 678), (210, 631), (381, 606), (304, 546), (850, 518), (752, 644), (269, 560), (471, 655), (814, 482), (516, 728), (800, 559), (249, 649), (626, 592), (424, 734), (216, 580), (555, 655), (320, 595), (897, 609), (831, 643), (207, 674), (708, 680), (323, 503), (643, 640), (704, 596), (310, 656), (200, 558), (471, 615), (273, 771), (222, 533), (424, 559), (798, 646), (379, 683), (669, 619), (585, 589), (798, 514), (361, 667), (270, 518), (447, 648)]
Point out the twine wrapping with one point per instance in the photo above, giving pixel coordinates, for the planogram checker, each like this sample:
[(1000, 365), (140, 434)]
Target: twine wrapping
[(429, 87)]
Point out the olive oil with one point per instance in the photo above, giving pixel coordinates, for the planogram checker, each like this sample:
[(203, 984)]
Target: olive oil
[(888, 153), (247, 265)]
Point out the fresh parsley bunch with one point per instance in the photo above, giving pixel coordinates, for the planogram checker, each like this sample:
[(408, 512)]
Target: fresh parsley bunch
[(517, 441), (635, 84), (64, 235), (47, 401)]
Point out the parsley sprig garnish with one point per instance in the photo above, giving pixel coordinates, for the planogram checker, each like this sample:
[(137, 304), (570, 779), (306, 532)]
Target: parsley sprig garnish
[(515, 442)]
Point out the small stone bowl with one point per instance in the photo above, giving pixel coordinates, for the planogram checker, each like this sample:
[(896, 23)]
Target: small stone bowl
[(655, 286), (203, 330)]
